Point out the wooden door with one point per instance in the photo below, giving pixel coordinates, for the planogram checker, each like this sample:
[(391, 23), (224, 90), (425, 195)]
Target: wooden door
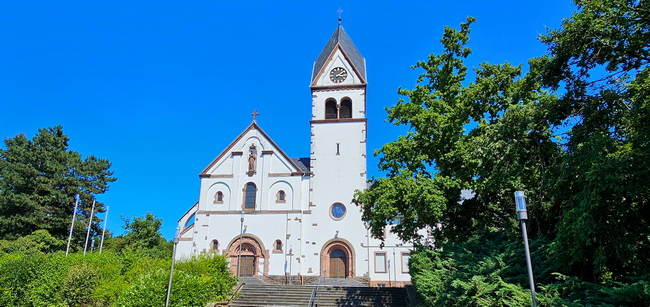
[(338, 264), (247, 265)]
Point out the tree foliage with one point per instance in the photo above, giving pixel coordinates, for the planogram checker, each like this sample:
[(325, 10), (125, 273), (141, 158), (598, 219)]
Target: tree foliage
[(599, 58), (485, 136), (570, 130), (143, 232), (39, 242), (487, 270), (38, 181), (142, 236)]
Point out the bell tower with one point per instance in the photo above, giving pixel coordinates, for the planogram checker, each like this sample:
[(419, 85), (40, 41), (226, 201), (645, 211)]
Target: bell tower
[(338, 135)]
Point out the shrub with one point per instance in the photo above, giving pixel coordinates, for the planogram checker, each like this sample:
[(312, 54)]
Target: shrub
[(110, 279), (79, 284)]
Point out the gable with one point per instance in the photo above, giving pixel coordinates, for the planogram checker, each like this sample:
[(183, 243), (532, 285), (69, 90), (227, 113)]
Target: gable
[(337, 58), (253, 141)]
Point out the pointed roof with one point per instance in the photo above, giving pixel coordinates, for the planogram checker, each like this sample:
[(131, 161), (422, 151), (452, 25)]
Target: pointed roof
[(341, 38), (300, 169)]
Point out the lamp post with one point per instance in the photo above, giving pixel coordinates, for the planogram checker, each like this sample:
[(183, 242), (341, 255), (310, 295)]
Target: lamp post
[(171, 273), (241, 232), (522, 216)]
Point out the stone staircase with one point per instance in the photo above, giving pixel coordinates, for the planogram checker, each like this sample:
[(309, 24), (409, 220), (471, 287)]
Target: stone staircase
[(328, 295)]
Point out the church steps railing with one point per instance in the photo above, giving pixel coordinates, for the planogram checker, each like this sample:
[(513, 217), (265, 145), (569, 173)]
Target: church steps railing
[(314, 292)]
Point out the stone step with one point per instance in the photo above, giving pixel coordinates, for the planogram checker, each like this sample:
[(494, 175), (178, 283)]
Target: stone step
[(288, 295), (346, 282), (253, 281)]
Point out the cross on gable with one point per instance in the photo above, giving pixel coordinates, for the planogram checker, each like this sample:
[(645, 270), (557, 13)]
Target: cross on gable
[(255, 114)]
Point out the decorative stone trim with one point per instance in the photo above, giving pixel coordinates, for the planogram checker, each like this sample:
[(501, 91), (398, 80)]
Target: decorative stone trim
[(330, 246), (275, 246)]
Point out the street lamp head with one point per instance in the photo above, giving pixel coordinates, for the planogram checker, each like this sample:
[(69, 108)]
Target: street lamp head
[(242, 216), (176, 237), (520, 203)]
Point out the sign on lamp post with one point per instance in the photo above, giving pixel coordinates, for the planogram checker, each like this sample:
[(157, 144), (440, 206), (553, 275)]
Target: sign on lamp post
[(522, 216)]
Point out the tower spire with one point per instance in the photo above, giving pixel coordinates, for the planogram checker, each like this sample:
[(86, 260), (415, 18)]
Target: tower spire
[(340, 41), (340, 11)]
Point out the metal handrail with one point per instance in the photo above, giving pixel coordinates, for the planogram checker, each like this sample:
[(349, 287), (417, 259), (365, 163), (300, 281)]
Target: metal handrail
[(313, 292)]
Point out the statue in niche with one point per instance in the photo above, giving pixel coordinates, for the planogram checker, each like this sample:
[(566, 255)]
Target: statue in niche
[(251, 161)]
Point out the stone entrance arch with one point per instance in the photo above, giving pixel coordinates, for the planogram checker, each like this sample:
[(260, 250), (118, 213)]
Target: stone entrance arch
[(337, 259), (254, 257)]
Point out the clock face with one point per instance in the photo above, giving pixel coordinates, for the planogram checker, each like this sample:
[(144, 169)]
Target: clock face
[(338, 211), (338, 74)]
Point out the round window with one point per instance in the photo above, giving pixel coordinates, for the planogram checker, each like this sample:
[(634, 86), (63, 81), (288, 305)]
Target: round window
[(338, 211)]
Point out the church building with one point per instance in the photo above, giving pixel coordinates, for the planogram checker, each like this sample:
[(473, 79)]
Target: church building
[(274, 216)]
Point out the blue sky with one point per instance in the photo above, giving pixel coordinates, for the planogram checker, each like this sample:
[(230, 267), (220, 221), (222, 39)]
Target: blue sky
[(160, 88)]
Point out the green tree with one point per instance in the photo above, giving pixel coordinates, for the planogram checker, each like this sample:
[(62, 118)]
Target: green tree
[(38, 181), (39, 242), (488, 136), (599, 60), (142, 236), (577, 144)]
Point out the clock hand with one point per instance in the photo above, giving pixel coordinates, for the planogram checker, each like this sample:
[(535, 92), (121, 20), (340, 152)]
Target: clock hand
[(341, 74)]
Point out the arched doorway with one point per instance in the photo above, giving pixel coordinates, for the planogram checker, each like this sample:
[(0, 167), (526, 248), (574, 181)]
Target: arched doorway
[(337, 259), (251, 258)]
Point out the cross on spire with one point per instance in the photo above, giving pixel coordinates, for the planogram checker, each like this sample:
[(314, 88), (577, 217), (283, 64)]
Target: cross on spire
[(340, 11), (255, 114)]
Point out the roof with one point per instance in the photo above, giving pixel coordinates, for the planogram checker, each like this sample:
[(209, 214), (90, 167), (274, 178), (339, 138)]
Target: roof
[(340, 38), (303, 163)]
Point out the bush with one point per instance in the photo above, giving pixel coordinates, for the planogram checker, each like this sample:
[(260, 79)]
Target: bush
[(489, 270), (16, 271), (79, 283), (110, 279), (469, 274), (196, 282)]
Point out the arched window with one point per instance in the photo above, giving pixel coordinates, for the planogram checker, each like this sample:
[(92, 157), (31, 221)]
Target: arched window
[(330, 109), (249, 196), (277, 246), (346, 108), (215, 245), (218, 198), (247, 249), (337, 253), (281, 197), (190, 221)]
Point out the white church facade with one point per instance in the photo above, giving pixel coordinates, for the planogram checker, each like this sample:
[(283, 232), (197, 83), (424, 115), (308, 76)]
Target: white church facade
[(274, 216)]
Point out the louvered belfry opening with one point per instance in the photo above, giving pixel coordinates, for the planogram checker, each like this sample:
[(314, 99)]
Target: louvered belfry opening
[(346, 108), (330, 110)]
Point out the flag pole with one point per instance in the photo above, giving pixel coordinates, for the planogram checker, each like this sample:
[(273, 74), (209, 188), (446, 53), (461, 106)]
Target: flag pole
[(101, 244), (74, 214), (90, 223)]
